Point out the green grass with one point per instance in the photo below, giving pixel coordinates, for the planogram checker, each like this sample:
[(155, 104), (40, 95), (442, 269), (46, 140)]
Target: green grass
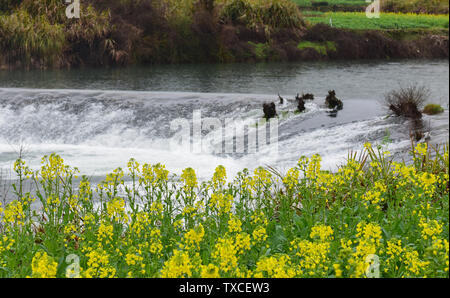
[(261, 50), (321, 48), (405, 6), (352, 20)]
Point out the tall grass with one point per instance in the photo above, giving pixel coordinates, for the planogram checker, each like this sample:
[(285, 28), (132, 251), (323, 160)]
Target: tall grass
[(30, 40), (53, 10), (274, 13)]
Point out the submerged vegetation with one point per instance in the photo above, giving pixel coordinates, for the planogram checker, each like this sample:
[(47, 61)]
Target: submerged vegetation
[(433, 109), (143, 222), (37, 34)]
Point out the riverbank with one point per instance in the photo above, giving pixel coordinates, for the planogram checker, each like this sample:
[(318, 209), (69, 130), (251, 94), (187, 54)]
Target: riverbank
[(318, 43), (128, 111), (233, 31), (322, 42)]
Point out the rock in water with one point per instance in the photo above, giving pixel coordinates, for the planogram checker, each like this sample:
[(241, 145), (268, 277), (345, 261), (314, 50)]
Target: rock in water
[(270, 110), (333, 102), (281, 99), (300, 103)]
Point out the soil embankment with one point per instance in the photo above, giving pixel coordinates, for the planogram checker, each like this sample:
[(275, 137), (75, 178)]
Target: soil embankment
[(129, 33)]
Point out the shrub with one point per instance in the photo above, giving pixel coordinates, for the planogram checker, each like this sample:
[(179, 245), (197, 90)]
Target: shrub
[(280, 14), (270, 110), (332, 102), (54, 10), (95, 39), (433, 109), (274, 13), (239, 11), (407, 101)]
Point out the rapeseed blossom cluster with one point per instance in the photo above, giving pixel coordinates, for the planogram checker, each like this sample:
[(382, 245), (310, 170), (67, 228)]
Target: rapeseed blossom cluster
[(308, 222), (179, 265), (219, 178), (43, 266)]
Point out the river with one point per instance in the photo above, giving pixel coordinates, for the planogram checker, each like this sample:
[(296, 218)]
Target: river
[(97, 119)]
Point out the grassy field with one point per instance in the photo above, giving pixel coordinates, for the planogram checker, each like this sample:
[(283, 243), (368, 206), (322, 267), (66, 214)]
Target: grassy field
[(355, 20), (309, 3), (404, 6), (305, 223)]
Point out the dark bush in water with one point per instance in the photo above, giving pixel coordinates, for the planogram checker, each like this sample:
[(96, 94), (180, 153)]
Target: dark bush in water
[(333, 102), (270, 110), (300, 103), (407, 101)]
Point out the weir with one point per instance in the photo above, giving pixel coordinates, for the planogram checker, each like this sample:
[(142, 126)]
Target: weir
[(82, 115)]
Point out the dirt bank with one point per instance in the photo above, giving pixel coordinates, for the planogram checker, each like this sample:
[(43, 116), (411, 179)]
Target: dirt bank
[(324, 42), (209, 42)]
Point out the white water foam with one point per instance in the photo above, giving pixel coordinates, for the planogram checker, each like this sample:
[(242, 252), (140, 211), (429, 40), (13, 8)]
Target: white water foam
[(99, 131)]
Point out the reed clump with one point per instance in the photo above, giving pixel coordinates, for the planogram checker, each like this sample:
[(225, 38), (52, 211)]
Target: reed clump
[(275, 13), (407, 101), (30, 40)]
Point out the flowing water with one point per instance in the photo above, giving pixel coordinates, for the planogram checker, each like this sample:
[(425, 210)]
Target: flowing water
[(97, 119)]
